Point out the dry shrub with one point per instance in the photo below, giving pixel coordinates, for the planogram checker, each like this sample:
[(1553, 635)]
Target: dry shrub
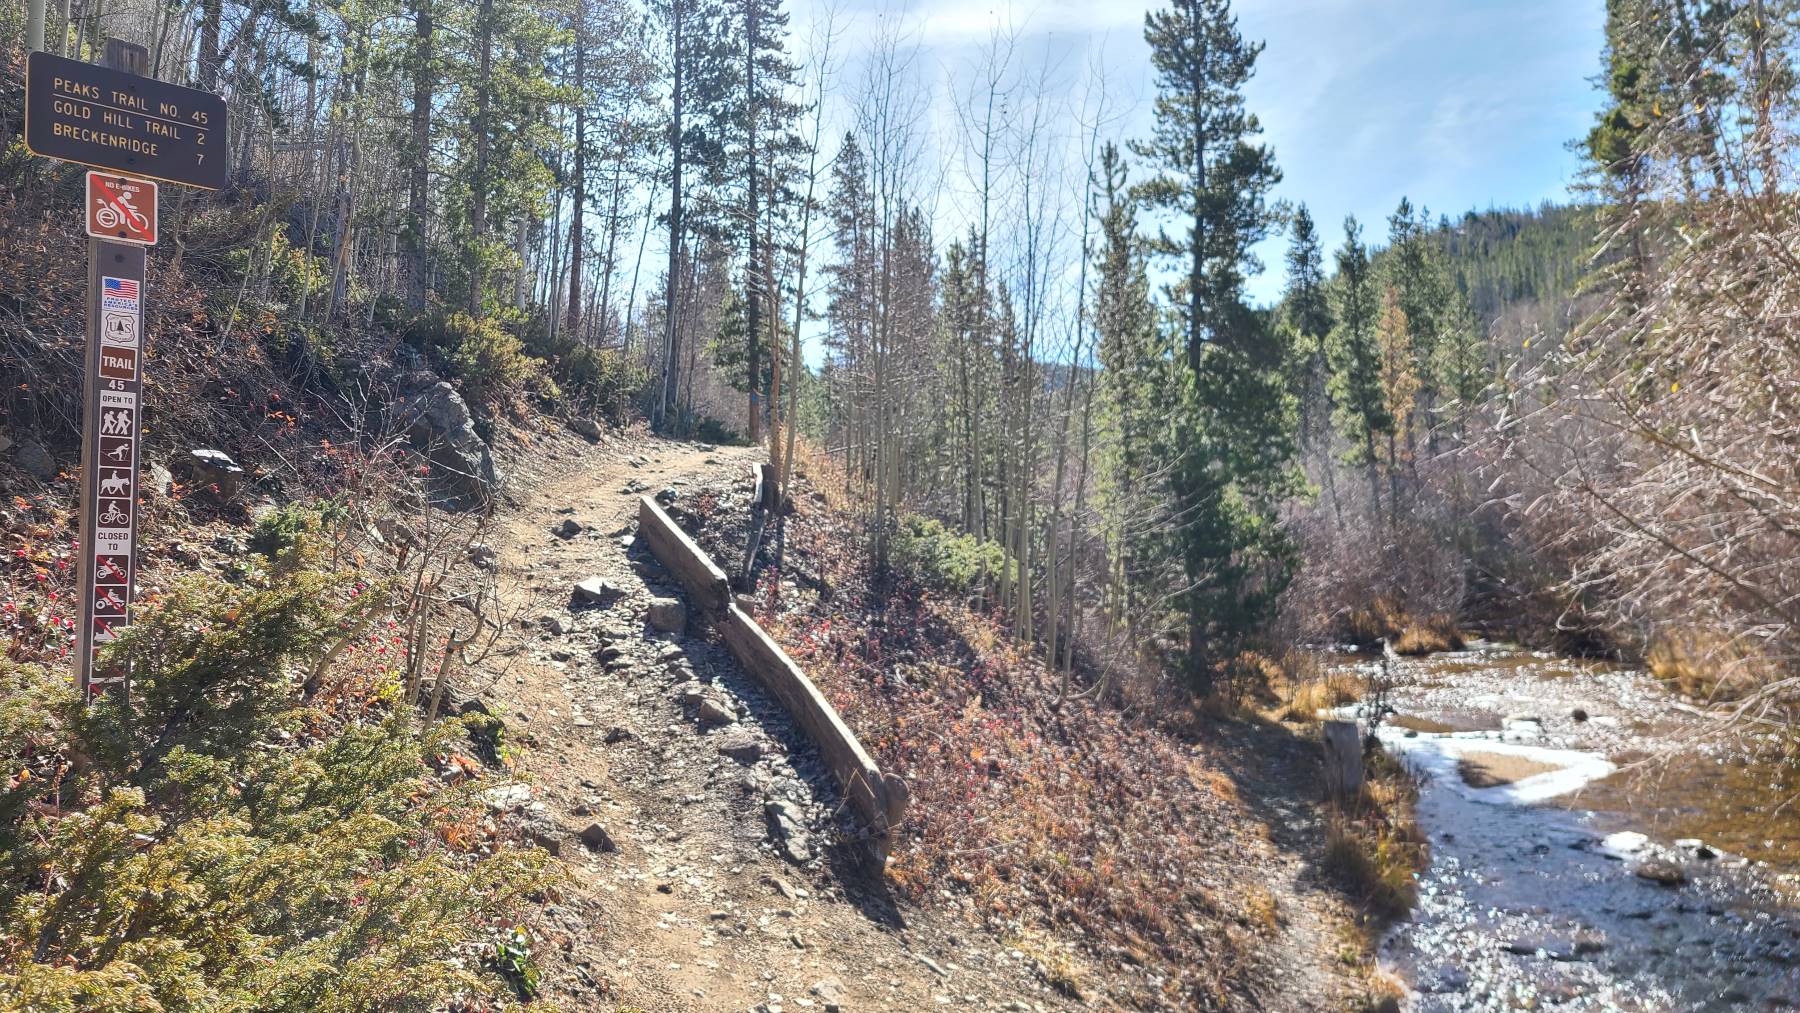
[(1661, 440), (1367, 577), (1308, 699)]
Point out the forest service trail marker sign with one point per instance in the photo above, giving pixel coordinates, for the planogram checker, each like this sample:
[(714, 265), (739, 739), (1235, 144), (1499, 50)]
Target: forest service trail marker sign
[(133, 129), (112, 119)]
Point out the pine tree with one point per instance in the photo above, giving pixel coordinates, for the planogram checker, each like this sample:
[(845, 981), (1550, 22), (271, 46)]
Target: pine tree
[(1307, 309), (1618, 146), (1235, 428), (1133, 381), (1356, 388)]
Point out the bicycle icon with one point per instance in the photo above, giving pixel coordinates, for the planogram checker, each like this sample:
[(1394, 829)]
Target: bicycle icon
[(113, 517), (114, 213)]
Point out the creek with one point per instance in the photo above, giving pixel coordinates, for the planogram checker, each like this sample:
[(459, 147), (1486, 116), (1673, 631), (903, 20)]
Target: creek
[(1595, 843)]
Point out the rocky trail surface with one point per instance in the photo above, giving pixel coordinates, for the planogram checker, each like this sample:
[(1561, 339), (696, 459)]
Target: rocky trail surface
[(711, 866)]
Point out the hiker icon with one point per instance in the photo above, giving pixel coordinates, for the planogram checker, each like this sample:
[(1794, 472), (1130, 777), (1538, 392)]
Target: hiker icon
[(115, 423)]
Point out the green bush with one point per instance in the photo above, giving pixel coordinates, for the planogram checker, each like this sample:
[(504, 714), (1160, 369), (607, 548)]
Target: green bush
[(232, 844), (598, 382), (944, 558), (487, 362)]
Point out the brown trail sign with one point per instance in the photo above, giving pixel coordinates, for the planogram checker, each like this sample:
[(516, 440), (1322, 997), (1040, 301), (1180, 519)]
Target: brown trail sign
[(114, 119)]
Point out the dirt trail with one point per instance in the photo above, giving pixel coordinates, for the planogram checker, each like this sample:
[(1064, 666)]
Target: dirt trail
[(698, 908)]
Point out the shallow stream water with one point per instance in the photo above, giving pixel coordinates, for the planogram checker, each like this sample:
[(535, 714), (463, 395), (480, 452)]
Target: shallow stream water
[(1553, 790)]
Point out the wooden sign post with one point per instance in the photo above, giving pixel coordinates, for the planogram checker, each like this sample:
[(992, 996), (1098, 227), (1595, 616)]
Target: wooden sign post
[(134, 129)]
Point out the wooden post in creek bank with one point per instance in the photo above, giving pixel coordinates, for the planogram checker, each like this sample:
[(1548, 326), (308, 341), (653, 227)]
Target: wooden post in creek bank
[(1343, 761)]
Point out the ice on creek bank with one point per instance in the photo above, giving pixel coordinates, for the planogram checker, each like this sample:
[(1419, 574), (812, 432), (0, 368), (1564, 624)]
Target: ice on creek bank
[(1442, 756)]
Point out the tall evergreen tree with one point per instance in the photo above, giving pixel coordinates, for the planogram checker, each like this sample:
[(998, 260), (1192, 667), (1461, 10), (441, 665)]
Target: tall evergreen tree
[(1133, 384), (1356, 389), (1235, 435), (1307, 306)]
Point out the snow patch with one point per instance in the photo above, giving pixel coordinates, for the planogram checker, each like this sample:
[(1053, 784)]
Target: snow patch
[(1438, 755)]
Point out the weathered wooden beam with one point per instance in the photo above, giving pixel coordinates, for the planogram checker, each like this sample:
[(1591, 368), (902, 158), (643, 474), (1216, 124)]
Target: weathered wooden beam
[(704, 581), (879, 799), (1343, 761)]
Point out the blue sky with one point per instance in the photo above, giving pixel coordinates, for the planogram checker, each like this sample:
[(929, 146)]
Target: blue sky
[(1456, 104)]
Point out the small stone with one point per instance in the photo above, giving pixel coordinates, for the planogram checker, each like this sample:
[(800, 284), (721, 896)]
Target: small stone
[(507, 797), (1661, 872), (617, 734), (1697, 847), (667, 615), (593, 591), (1578, 715), (829, 991), (741, 745), (787, 826), (554, 625), (712, 713), (667, 496), (567, 529), (597, 839)]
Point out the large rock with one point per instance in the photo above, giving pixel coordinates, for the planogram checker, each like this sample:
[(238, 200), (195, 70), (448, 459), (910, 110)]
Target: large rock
[(1662, 872), (438, 423), (587, 427), (212, 469), (37, 460)]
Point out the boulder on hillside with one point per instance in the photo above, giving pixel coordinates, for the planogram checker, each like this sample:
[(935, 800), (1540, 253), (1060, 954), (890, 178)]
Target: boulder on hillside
[(438, 424), (37, 460), (587, 427), (211, 469)]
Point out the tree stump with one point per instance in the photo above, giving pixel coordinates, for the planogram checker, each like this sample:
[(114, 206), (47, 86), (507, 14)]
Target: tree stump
[(1343, 761)]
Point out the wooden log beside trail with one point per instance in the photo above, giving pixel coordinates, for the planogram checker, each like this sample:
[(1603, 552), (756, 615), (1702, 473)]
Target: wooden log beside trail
[(704, 581), (880, 799), (1343, 761)]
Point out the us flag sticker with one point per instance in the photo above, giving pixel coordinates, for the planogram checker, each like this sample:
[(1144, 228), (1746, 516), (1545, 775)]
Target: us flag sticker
[(118, 294)]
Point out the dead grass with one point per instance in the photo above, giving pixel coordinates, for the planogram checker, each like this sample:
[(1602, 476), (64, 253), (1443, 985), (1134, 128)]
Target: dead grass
[(1705, 666), (1262, 910), (1374, 848), (1304, 701), (1386, 618), (1430, 635)]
